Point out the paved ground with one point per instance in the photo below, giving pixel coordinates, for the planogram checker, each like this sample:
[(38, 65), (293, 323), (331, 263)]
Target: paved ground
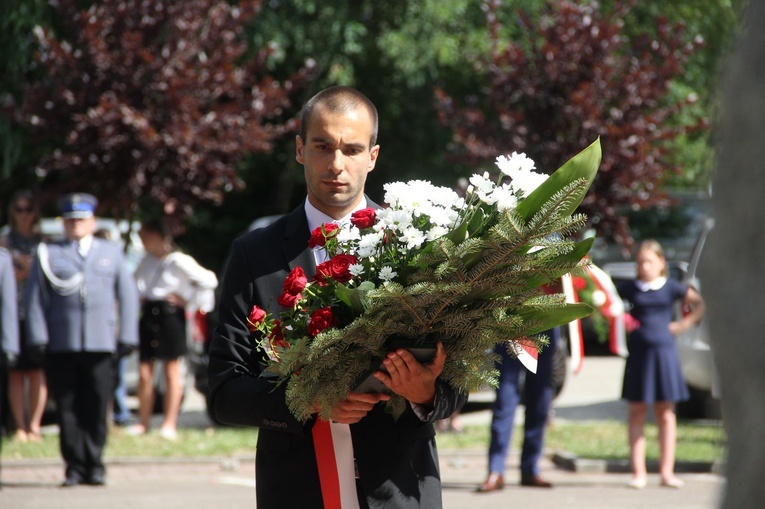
[(212, 483)]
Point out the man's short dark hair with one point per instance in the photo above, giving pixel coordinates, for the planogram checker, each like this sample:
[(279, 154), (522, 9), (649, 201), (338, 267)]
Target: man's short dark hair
[(338, 100)]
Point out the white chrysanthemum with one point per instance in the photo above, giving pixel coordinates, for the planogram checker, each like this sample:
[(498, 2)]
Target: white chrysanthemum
[(393, 190), (436, 232), (528, 181), (369, 244), (483, 188), (348, 233), (488, 198), (387, 274), (408, 195), (446, 197), (482, 183), (356, 269), (440, 216), (505, 198), (393, 219), (412, 237), (515, 163)]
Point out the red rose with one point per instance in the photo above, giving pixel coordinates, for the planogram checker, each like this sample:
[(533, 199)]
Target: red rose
[(256, 317), (320, 235), (364, 218), (321, 319), (336, 268), (288, 300), (276, 337), (295, 281)]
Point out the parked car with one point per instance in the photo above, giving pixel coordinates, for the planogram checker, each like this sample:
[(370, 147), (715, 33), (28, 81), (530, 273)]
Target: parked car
[(693, 345)]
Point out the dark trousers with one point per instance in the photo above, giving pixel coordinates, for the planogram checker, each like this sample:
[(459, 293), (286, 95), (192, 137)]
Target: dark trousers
[(81, 384), (538, 394)]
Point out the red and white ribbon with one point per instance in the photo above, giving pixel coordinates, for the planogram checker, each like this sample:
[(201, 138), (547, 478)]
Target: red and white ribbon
[(613, 309), (527, 353), (334, 458), (575, 336)]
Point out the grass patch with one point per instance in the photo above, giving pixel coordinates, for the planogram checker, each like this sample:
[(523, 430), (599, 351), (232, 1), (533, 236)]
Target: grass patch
[(702, 442), (697, 442), (195, 442)]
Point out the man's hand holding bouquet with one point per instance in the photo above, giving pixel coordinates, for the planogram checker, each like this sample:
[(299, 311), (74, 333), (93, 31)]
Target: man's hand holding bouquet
[(433, 270)]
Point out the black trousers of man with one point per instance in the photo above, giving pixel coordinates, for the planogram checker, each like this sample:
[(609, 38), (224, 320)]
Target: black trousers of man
[(81, 384)]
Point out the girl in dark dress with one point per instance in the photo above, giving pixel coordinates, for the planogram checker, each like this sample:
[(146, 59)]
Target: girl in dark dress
[(652, 374)]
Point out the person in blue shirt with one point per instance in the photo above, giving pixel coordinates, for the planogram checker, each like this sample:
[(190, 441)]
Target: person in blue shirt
[(652, 373)]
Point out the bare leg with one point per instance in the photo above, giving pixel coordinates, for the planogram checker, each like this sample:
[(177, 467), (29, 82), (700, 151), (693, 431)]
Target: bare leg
[(145, 393), (173, 394), (636, 426), (667, 424), (16, 400), (38, 396)]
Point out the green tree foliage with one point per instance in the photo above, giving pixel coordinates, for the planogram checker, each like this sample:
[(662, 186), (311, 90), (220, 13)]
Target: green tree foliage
[(396, 51), (573, 77), (17, 19), (146, 102)]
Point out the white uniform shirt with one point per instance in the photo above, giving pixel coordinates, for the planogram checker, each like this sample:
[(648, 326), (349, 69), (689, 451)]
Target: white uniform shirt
[(180, 274)]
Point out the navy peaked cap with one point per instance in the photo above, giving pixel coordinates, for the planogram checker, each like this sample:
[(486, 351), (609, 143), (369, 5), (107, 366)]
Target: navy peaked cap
[(78, 205)]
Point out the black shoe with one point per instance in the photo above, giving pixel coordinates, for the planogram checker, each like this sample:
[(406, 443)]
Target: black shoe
[(70, 481), (535, 481), (95, 480)]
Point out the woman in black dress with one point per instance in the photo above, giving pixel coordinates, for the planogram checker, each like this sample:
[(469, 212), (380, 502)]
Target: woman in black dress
[(170, 283), (27, 390)]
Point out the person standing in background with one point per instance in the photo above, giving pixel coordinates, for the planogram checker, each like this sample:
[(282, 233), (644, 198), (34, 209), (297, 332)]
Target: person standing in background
[(120, 410), (538, 395), (652, 373), (79, 291), (9, 322), (170, 283), (27, 390)]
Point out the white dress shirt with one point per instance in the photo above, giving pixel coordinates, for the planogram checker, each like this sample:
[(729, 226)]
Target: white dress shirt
[(177, 273)]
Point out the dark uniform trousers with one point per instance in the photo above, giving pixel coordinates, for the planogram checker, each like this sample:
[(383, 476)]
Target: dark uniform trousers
[(81, 384)]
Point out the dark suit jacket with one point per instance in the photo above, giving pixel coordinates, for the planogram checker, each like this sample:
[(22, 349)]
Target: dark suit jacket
[(397, 460)]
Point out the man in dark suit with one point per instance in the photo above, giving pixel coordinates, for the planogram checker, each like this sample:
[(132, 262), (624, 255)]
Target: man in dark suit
[(82, 309), (396, 463)]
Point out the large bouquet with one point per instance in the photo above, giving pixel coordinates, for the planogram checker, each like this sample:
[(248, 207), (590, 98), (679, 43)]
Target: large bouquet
[(468, 271)]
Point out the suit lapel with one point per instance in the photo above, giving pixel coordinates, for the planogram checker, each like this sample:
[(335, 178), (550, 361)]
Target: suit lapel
[(295, 245)]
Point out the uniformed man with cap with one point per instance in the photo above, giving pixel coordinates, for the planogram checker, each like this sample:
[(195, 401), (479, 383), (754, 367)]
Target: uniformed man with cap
[(79, 295)]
